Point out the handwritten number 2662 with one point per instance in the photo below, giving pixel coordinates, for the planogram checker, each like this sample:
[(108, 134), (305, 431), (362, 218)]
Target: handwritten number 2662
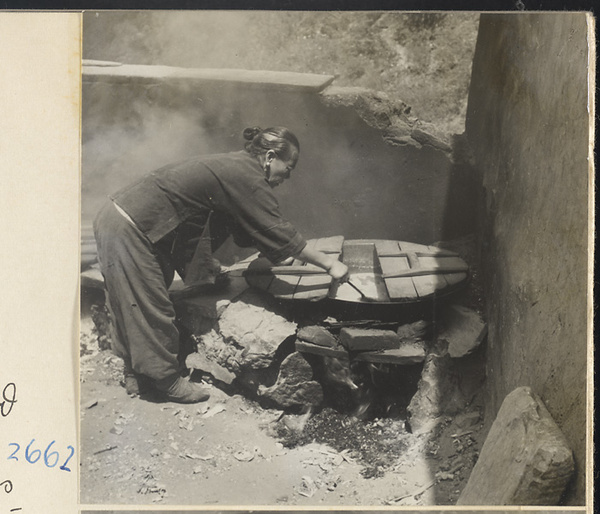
[(51, 458)]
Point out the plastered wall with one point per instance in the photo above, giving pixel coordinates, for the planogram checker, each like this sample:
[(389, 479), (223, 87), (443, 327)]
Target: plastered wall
[(527, 124)]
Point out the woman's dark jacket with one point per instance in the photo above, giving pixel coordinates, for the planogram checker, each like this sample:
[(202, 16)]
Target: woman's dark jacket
[(172, 205)]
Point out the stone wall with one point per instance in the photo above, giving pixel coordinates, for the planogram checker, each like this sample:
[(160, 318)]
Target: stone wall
[(368, 167), (527, 124)]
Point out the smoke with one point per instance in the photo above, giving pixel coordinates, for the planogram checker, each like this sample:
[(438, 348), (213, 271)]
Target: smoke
[(135, 139)]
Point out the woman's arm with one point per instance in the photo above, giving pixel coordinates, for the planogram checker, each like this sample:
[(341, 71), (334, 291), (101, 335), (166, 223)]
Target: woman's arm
[(337, 269)]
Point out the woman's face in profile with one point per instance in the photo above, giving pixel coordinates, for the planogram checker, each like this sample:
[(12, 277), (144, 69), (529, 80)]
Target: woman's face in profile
[(281, 170)]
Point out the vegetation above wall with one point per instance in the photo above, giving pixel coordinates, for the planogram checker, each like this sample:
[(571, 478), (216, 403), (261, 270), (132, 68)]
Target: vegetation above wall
[(422, 59)]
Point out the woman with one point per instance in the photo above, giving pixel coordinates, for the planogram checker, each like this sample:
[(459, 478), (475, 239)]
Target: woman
[(151, 228)]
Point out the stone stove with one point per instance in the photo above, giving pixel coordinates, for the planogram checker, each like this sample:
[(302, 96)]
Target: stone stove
[(390, 272), (295, 339)]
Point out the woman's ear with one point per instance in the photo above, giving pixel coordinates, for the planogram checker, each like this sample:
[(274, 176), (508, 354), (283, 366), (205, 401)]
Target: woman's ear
[(270, 156)]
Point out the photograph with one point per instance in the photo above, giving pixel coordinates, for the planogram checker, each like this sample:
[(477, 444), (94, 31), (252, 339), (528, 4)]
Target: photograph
[(336, 259)]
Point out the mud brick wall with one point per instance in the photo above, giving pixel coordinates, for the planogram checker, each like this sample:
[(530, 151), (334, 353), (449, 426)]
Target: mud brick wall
[(527, 124), (349, 181)]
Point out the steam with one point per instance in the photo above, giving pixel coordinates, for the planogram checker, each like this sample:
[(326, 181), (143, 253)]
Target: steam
[(115, 154)]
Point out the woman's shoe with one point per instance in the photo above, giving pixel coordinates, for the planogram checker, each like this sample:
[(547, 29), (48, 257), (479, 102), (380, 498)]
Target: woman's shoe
[(134, 383), (178, 389)]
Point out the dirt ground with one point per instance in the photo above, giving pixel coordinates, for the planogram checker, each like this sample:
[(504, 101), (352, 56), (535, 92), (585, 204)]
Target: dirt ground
[(231, 451)]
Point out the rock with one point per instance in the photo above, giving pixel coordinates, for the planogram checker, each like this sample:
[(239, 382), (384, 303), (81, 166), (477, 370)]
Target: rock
[(438, 391), (317, 335), (427, 134), (257, 330), (368, 339), (338, 351), (251, 379), (525, 459), (417, 331), (464, 330), (424, 138), (221, 305), (405, 355), (374, 107), (199, 361), (400, 127), (402, 140), (214, 349), (295, 385), (101, 318)]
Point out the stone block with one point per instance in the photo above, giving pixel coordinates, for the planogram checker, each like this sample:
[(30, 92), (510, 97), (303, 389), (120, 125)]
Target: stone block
[(438, 391), (525, 459), (464, 330), (221, 305), (198, 361), (214, 349), (257, 330), (405, 355), (317, 335), (417, 331), (339, 351), (295, 385), (357, 339)]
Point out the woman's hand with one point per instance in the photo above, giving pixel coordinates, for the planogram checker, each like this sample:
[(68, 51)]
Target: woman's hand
[(338, 271)]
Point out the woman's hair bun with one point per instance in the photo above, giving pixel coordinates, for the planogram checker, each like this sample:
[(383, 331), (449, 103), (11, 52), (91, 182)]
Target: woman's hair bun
[(251, 132), (277, 139)]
